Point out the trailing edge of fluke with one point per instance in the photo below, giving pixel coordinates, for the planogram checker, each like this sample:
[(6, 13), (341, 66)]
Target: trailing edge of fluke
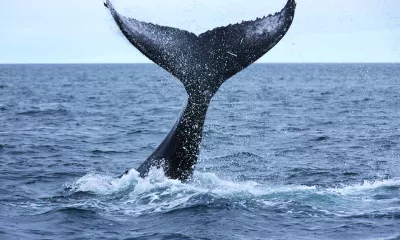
[(202, 63)]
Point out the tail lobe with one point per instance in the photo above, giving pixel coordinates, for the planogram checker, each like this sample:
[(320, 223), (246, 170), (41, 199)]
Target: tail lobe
[(202, 63)]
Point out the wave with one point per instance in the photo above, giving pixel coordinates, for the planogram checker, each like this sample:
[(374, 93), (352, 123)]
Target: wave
[(43, 112), (99, 152), (104, 184), (44, 109), (320, 139), (156, 193), (69, 210), (366, 186), (393, 214), (201, 182), (239, 155)]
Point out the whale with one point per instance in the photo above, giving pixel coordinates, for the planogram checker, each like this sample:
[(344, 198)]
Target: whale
[(202, 63)]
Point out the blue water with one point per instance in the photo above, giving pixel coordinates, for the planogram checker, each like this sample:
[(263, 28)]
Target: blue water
[(298, 151)]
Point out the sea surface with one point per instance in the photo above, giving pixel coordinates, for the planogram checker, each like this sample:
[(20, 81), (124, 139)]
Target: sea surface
[(290, 151)]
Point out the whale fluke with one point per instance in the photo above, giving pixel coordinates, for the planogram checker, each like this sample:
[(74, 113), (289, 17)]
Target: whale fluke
[(202, 63)]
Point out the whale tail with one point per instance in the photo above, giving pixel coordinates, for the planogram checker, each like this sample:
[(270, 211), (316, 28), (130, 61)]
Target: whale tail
[(202, 63)]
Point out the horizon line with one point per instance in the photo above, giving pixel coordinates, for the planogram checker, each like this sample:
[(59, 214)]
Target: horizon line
[(151, 63)]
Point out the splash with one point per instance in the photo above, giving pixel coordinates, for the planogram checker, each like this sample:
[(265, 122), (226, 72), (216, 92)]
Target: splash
[(134, 195), (366, 187), (104, 184), (202, 183)]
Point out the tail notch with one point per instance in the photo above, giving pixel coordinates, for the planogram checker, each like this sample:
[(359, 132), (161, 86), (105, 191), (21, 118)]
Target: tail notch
[(199, 62)]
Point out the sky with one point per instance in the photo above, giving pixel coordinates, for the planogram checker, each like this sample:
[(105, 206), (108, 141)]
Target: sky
[(82, 31)]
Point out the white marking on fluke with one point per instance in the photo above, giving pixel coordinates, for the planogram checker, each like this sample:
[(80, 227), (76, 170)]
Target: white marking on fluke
[(232, 54)]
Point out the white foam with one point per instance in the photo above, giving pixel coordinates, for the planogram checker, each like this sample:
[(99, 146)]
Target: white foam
[(366, 186), (157, 182), (392, 237), (209, 182), (104, 184), (157, 193)]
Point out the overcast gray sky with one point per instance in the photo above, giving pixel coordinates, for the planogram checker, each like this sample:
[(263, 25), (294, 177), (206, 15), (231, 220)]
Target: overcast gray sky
[(82, 31)]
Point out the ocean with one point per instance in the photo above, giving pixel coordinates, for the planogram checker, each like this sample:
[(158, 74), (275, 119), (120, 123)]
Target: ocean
[(290, 151)]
